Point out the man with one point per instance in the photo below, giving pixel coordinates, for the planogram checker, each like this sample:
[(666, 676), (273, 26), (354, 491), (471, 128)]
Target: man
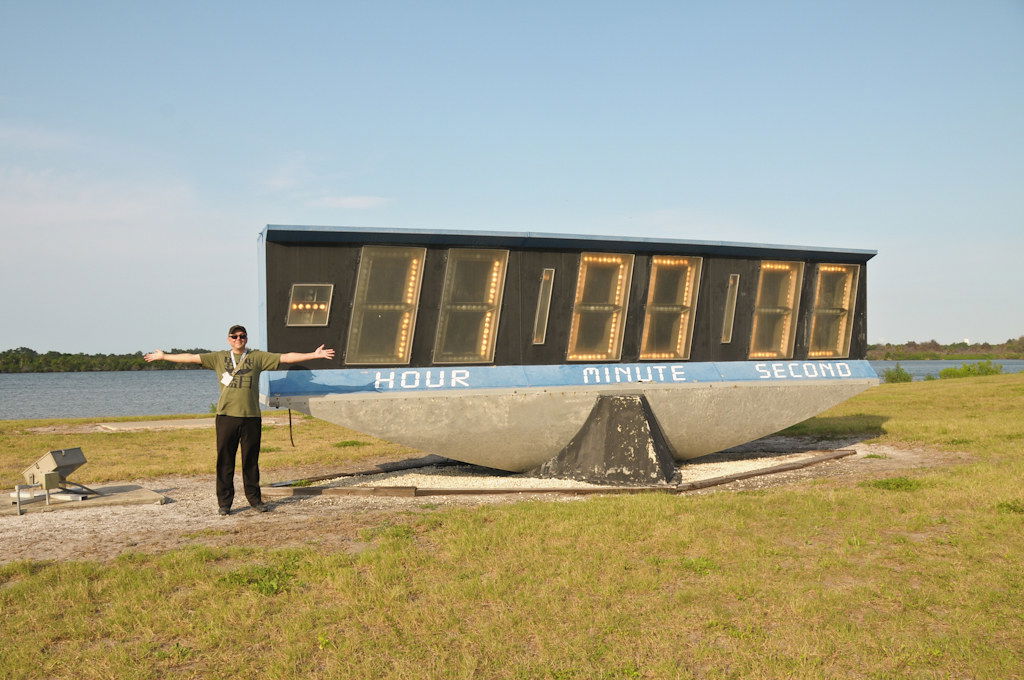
[(238, 409)]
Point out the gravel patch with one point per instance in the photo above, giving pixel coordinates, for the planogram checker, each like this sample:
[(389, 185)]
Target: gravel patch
[(474, 477), (456, 477)]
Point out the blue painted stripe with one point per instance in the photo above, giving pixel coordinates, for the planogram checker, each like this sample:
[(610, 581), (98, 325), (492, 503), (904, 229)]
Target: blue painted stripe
[(301, 382)]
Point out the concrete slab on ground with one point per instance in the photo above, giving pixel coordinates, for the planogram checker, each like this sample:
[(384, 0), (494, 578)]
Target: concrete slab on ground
[(126, 494)]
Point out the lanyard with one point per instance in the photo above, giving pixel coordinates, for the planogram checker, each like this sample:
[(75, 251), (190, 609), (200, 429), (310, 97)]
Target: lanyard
[(234, 365)]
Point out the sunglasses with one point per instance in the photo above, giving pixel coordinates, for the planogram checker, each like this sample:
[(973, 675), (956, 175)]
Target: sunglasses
[(239, 336)]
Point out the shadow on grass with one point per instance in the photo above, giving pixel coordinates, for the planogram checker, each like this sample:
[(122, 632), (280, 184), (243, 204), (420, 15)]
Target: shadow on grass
[(839, 427), (815, 434)]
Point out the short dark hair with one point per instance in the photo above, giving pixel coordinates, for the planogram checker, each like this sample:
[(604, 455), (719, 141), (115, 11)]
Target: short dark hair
[(237, 329)]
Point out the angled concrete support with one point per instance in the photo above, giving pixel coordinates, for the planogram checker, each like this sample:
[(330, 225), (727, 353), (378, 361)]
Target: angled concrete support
[(620, 443)]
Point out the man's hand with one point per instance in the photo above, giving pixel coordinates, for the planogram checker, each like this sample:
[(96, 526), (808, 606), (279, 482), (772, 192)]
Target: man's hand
[(158, 355), (322, 353), (296, 357)]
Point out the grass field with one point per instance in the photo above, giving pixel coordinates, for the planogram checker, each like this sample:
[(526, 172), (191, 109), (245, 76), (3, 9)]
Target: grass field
[(915, 577)]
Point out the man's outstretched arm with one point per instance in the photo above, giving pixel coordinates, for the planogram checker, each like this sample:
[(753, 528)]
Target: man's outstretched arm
[(296, 357), (160, 355)]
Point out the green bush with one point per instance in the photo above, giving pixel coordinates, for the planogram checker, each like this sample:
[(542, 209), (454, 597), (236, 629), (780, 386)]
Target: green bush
[(262, 579), (972, 370), (1015, 506), (898, 374), (895, 484)]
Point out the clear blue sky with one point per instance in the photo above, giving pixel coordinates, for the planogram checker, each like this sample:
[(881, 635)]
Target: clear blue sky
[(143, 146)]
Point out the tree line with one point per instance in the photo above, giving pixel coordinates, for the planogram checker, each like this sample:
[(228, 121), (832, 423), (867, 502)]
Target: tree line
[(25, 360), (1011, 349)]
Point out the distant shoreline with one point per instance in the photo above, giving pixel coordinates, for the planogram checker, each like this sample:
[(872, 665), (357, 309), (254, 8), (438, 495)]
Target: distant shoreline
[(102, 370), (25, 360), (932, 356), (957, 351)]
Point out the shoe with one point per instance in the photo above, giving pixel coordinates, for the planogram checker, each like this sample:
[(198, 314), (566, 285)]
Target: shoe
[(223, 511), (261, 507)]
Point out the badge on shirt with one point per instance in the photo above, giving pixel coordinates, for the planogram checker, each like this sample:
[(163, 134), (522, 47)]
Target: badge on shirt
[(225, 378)]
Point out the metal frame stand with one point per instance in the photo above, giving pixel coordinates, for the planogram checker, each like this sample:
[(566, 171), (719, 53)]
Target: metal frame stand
[(62, 487), (83, 487), (17, 494)]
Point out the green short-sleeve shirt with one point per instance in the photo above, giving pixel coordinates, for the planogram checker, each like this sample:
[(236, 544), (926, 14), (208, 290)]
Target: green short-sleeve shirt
[(241, 398)]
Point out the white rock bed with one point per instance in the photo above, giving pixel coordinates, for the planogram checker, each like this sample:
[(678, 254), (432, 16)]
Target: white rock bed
[(697, 470), (471, 477)]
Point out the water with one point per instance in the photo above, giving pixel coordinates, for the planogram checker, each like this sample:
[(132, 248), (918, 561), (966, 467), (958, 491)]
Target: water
[(105, 393), (919, 369), (145, 393)]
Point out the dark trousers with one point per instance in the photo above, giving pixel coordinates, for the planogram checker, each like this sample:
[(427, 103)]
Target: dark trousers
[(232, 431)]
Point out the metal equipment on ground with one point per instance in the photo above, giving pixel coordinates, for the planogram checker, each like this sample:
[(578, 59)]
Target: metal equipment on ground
[(50, 474)]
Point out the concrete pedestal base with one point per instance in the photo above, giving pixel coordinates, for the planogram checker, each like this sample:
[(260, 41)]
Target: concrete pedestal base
[(620, 443)]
